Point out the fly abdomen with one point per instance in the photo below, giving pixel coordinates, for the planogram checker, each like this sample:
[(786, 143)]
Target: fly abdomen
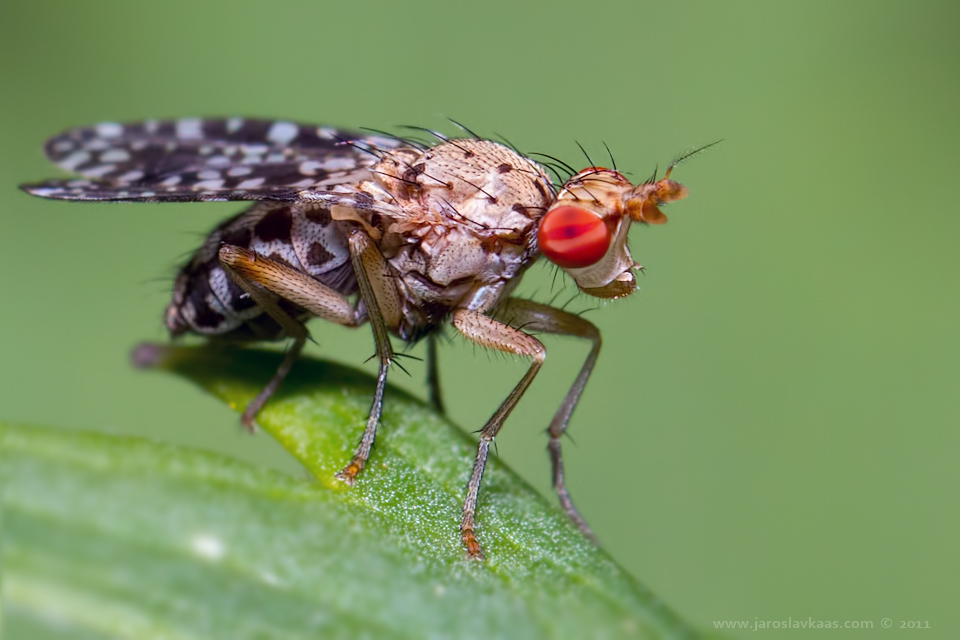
[(302, 236)]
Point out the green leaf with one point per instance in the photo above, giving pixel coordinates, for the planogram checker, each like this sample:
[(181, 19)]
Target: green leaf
[(120, 537)]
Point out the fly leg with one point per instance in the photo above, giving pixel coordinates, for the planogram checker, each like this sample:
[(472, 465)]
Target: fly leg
[(540, 317), (265, 281), (379, 293), (493, 334), (249, 417), (433, 376)]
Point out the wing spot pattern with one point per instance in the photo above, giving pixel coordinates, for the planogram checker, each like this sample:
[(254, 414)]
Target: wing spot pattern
[(252, 183), (115, 155), (310, 167), (193, 159), (74, 160), (189, 129), (282, 132), (102, 170), (109, 129), (339, 164)]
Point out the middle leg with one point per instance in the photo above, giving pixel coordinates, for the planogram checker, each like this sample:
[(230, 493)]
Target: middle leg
[(379, 294), (433, 375), (266, 280)]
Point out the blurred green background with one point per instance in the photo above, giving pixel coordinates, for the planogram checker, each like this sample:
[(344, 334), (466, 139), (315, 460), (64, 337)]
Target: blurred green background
[(772, 430)]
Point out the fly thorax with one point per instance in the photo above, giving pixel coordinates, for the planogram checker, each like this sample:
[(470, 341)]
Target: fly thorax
[(478, 184), (469, 212)]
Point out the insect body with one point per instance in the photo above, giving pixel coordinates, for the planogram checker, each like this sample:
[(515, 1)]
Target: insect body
[(359, 229)]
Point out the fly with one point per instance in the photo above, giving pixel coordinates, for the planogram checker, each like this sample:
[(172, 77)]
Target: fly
[(373, 229)]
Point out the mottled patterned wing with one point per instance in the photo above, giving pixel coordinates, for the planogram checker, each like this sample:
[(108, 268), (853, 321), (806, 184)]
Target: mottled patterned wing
[(196, 159)]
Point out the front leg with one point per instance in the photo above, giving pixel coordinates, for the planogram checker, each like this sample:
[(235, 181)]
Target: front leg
[(493, 334), (540, 317)]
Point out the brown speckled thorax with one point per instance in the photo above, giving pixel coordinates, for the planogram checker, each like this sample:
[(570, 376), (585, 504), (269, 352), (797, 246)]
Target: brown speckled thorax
[(468, 227)]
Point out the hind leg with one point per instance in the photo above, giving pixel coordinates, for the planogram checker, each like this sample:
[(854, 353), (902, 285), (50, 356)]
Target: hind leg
[(265, 281), (249, 417)]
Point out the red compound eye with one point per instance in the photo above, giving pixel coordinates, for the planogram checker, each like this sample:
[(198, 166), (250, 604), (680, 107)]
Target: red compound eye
[(573, 237)]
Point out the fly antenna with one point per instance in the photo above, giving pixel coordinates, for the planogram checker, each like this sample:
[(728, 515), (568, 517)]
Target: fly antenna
[(689, 155)]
